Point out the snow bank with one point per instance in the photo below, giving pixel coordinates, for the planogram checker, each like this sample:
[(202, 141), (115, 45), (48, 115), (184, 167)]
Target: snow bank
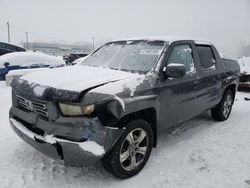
[(92, 147)]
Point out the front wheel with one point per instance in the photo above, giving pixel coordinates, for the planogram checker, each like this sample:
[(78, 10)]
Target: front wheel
[(132, 150), (222, 111)]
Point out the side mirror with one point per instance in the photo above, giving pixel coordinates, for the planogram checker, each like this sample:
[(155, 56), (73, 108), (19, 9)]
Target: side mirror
[(6, 64), (174, 70)]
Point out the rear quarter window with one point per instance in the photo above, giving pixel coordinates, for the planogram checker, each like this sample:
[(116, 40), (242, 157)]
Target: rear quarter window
[(206, 56)]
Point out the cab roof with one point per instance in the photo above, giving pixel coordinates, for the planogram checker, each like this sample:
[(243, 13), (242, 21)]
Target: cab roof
[(168, 39)]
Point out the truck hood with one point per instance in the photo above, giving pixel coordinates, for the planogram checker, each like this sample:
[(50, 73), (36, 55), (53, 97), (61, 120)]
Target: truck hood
[(72, 83), (76, 78)]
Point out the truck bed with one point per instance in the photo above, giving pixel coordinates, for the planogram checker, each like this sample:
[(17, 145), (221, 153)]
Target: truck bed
[(231, 65)]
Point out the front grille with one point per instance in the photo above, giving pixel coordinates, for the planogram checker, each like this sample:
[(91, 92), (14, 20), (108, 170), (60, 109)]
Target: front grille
[(32, 106)]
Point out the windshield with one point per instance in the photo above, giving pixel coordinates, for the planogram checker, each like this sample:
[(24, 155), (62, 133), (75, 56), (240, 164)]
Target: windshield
[(134, 56)]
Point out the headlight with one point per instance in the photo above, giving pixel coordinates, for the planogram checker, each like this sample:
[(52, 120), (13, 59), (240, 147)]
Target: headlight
[(74, 110)]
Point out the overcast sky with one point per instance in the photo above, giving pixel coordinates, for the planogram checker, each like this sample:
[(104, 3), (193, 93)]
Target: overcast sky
[(224, 22)]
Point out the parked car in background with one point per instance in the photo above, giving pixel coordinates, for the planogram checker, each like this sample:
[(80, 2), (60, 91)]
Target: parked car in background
[(244, 63), (113, 106), (8, 48), (27, 60), (72, 57), (80, 60)]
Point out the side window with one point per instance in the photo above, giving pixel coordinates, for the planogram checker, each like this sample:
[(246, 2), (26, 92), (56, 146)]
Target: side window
[(206, 55), (182, 54)]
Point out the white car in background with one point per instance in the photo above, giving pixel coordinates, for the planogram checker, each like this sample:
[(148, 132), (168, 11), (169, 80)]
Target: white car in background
[(244, 63), (17, 64)]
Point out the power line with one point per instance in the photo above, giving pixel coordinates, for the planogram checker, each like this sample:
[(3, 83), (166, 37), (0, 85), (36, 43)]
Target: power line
[(28, 33), (34, 33)]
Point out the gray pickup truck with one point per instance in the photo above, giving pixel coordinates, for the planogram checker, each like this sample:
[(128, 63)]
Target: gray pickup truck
[(113, 105)]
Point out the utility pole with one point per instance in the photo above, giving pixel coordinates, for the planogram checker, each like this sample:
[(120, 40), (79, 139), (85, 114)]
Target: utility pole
[(93, 43), (8, 27), (27, 40)]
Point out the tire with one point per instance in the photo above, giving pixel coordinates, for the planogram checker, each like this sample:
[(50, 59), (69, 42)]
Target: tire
[(222, 111), (132, 150)]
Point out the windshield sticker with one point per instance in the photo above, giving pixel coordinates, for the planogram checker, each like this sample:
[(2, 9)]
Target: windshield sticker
[(150, 52)]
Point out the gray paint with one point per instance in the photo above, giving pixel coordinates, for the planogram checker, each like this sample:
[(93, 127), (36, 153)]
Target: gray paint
[(174, 100)]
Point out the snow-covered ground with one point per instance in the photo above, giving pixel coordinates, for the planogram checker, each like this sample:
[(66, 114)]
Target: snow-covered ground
[(201, 153)]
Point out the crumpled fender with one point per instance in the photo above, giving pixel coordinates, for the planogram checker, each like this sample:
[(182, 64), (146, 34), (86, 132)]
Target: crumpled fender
[(113, 109)]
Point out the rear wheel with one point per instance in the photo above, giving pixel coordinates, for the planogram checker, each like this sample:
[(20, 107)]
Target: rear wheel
[(132, 150), (222, 111)]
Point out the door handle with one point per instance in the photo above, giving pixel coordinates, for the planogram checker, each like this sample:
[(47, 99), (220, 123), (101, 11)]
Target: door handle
[(195, 83)]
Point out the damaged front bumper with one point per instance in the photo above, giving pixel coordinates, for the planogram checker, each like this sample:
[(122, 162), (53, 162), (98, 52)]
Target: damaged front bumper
[(55, 139)]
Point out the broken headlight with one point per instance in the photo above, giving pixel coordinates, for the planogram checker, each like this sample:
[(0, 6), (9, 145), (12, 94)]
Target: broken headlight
[(75, 110)]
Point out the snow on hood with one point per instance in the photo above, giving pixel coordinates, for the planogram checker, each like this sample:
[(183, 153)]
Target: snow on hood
[(77, 78), (131, 84), (21, 72)]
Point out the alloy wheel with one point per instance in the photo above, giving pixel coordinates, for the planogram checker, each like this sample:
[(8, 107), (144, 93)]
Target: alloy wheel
[(227, 106), (134, 149)]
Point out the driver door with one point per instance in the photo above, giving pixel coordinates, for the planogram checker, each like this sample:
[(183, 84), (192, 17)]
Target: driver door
[(177, 95)]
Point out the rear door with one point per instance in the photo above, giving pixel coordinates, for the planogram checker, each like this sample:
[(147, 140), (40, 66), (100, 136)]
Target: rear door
[(209, 77)]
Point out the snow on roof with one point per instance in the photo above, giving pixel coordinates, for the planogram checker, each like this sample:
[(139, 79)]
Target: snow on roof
[(169, 39), (29, 58)]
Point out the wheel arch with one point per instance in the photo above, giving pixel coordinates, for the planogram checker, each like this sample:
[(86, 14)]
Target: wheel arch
[(231, 87), (148, 114)]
